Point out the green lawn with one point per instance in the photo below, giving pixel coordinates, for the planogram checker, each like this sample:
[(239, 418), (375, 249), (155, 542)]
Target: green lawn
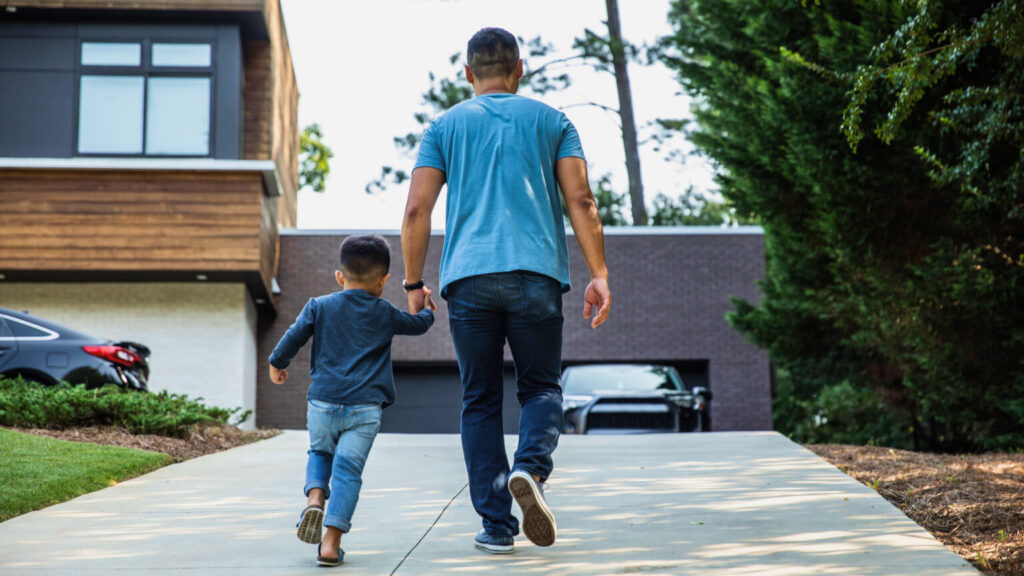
[(36, 472)]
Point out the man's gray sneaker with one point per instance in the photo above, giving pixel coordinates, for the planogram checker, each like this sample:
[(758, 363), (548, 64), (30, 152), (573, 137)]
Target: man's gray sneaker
[(494, 543), (538, 521)]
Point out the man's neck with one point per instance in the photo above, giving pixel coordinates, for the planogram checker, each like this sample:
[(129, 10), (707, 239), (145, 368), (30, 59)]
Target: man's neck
[(493, 86)]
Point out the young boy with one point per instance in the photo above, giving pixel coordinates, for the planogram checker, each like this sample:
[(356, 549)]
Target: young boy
[(350, 369)]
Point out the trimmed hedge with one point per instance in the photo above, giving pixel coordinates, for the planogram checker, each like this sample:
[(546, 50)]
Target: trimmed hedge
[(30, 405)]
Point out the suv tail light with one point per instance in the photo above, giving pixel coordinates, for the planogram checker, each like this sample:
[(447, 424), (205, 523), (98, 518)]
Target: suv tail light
[(115, 354)]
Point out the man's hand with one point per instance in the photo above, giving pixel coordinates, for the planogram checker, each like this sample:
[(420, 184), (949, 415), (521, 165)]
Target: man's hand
[(597, 296), (278, 376), (420, 299)]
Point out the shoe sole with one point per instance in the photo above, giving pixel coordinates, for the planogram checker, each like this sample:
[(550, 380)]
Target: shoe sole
[(495, 549), (538, 521), (311, 526)]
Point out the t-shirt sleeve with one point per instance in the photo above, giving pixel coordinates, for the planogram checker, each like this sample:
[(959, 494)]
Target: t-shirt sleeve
[(569, 144), (430, 150)]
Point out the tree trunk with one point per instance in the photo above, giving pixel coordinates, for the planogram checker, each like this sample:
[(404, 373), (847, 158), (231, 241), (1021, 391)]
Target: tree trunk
[(636, 187)]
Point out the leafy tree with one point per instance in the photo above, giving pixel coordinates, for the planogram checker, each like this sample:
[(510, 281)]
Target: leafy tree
[(894, 262), (692, 209), (314, 157), (610, 205)]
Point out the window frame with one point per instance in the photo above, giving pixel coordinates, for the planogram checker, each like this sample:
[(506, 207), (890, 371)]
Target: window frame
[(146, 71)]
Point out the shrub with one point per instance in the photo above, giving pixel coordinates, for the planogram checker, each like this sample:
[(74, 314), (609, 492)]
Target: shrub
[(839, 414), (30, 405)]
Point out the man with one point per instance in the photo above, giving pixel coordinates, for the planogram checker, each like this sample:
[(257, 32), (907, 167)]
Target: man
[(504, 268)]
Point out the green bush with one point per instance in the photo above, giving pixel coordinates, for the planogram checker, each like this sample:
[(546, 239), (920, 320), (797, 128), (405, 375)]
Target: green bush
[(838, 414), (30, 405)]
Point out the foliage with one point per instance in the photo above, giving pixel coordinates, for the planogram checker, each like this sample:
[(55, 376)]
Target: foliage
[(692, 209), (841, 413), (314, 157), (30, 405), (894, 262), (610, 205), (39, 471)]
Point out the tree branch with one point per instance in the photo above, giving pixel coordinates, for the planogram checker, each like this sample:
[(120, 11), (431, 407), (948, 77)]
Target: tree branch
[(555, 61), (594, 104)]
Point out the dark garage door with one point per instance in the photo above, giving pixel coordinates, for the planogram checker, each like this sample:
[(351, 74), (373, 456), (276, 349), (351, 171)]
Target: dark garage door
[(429, 400)]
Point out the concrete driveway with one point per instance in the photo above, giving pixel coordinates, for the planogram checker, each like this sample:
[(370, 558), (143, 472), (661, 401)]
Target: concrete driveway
[(709, 504)]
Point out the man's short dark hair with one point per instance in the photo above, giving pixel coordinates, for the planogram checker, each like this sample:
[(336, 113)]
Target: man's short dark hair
[(365, 258), (492, 52)]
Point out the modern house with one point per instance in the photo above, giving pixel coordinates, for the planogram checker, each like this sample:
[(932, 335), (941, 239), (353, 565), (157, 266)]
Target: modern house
[(148, 158)]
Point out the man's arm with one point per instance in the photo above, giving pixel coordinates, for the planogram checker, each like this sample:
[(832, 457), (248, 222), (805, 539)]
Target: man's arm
[(571, 173), (424, 188)]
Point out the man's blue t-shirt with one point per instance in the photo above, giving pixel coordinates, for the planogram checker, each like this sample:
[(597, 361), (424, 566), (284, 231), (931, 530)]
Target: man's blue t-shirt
[(498, 153)]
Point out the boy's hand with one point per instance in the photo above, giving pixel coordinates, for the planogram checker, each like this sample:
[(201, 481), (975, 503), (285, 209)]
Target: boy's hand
[(278, 376), (427, 302)]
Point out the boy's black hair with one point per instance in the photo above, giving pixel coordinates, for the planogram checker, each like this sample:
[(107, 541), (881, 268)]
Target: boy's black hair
[(492, 52), (365, 258)]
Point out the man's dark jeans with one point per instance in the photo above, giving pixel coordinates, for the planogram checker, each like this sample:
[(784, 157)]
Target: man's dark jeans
[(485, 311)]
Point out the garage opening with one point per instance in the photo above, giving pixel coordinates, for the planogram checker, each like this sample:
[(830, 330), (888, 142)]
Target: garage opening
[(429, 396), (429, 400)]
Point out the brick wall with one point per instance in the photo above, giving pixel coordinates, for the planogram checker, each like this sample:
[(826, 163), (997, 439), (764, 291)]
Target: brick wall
[(202, 335), (670, 295)]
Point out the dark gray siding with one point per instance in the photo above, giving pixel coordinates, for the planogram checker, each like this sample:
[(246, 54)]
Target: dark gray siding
[(37, 64), (671, 293), (38, 75)]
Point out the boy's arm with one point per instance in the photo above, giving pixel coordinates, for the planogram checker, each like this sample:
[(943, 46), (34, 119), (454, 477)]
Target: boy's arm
[(296, 336), (411, 324)]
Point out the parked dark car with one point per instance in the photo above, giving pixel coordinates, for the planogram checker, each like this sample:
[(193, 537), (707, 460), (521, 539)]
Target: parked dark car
[(631, 398), (49, 353)]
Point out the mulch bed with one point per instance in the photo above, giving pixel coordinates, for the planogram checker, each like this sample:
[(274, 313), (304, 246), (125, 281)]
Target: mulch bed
[(201, 441), (974, 504)]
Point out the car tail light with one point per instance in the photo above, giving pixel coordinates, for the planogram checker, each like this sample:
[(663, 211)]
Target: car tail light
[(115, 354)]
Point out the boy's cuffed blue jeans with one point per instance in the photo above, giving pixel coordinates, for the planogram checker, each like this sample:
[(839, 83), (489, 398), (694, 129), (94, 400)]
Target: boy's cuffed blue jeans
[(524, 309), (340, 438)]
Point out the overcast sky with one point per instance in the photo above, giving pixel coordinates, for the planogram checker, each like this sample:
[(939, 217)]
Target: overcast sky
[(362, 71)]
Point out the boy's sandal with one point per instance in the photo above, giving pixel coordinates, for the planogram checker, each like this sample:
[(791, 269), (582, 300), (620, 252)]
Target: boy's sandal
[(311, 524), (327, 561)]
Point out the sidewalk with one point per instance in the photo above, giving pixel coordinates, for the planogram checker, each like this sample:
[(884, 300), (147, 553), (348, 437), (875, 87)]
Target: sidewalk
[(709, 504)]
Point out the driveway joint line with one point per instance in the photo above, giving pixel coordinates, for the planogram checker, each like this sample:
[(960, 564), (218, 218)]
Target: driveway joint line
[(429, 528)]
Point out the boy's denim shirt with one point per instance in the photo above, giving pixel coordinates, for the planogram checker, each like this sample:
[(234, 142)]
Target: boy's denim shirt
[(350, 359)]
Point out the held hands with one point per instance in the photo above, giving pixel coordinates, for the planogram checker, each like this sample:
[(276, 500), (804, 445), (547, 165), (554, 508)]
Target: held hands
[(420, 299), (597, 299), (278, 376)]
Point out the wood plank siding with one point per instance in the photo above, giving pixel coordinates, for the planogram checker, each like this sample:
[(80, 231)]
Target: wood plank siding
[(285, 130), (127, 221), (257, 97)]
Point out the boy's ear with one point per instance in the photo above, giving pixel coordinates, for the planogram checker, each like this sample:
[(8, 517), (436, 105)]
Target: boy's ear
[(340, 278), (384, 280)]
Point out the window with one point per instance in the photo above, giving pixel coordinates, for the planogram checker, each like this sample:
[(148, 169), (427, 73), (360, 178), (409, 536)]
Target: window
[(111, 54), (143, 98), (181, 55)]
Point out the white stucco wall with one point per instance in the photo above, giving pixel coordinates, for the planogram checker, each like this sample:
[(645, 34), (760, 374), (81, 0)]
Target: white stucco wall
[(202, 335)]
